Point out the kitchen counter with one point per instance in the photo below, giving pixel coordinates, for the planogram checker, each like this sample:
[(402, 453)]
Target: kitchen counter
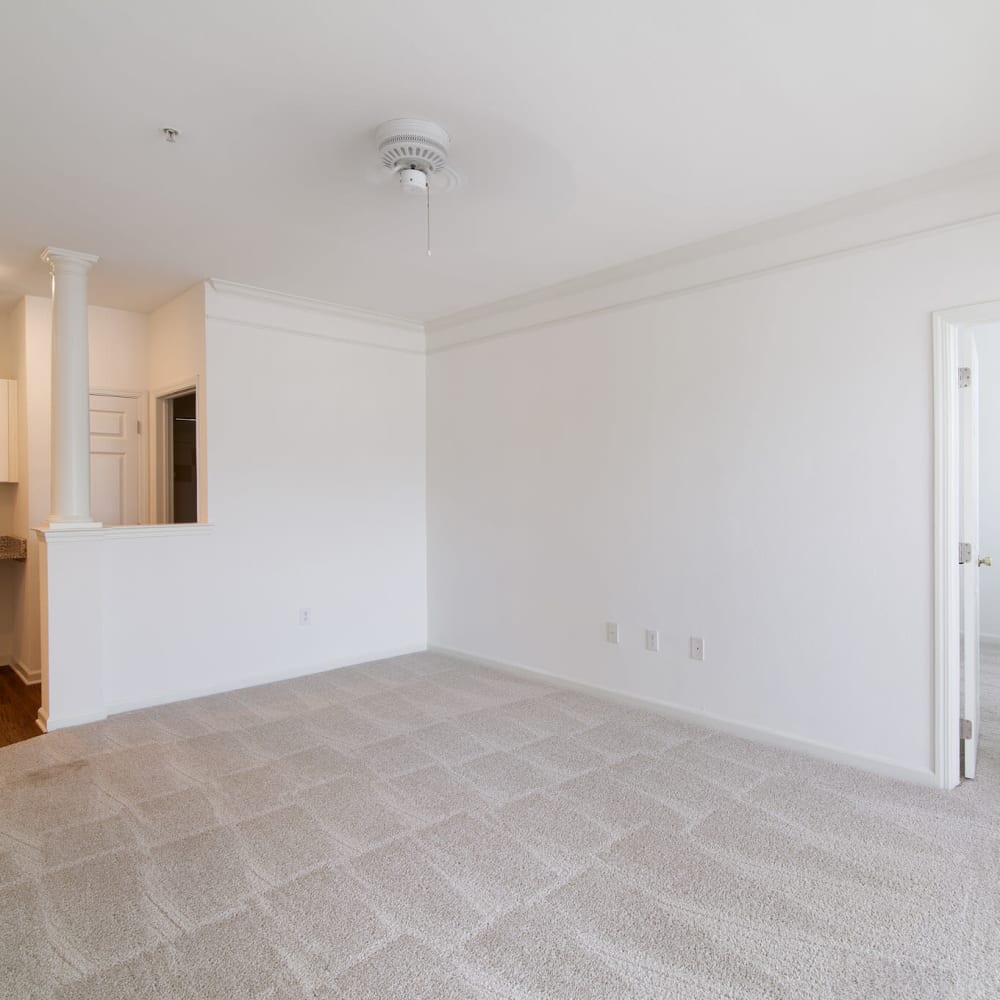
[(12, 548)]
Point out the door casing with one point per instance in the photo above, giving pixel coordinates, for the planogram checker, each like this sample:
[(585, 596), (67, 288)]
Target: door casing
[(948, 327)]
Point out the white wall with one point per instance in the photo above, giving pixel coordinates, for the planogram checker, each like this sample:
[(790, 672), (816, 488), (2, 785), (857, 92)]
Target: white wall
[(988, 346), (750, 462), (317, 486), (177, 358), (118, 347)]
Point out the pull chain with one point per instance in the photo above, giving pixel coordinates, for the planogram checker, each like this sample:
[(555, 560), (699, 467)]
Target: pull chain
[(428, 215)]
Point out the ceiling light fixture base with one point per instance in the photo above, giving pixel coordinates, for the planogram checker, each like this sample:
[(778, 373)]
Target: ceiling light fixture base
[(412, 144)]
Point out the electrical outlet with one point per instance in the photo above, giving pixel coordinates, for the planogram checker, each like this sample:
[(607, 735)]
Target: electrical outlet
[(697, 648), (305, 616), (611, 632), (652, 640)]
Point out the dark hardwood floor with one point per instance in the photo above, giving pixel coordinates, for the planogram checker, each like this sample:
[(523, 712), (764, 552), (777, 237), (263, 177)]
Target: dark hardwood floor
[(19, 704)]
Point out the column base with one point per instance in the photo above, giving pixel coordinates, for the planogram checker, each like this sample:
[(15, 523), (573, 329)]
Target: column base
[(51, 525)]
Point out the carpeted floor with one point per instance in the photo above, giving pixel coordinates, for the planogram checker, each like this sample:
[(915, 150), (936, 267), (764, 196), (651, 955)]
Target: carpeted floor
[(424, 828), (989, 698)]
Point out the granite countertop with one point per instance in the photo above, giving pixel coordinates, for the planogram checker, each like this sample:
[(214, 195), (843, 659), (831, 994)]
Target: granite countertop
[(13, 548)]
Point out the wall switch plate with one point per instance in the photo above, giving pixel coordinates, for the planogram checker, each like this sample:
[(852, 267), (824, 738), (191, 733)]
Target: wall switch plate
[(652, 640), (305, 616), (697, 648), (611, 632)]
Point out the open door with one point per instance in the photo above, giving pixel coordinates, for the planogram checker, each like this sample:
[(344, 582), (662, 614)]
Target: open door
[(969, 517)]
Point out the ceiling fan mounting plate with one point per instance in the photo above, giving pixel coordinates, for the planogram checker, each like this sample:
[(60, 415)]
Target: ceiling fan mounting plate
[(412, 144)]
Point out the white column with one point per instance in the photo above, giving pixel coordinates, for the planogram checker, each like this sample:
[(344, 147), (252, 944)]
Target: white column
[(70, 503)]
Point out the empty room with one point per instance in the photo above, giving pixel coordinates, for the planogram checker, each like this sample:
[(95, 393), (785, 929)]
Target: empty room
[(500, 501)]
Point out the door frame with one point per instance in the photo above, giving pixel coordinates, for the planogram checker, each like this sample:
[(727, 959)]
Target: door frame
[(141, 407), (948, 325)]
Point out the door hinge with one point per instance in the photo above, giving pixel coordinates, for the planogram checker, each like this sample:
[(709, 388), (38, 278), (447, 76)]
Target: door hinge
[(964, 553), (138, 427), (964, 378), (965, 729)]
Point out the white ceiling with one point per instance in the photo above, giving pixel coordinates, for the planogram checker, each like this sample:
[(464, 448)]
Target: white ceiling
[(587, 134)]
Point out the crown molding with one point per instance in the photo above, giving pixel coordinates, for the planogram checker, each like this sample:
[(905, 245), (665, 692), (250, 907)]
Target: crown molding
[(280, 311), (315, 305), (964, 195)]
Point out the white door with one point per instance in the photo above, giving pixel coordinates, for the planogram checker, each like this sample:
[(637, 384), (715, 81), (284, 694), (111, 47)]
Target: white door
[(969, 433), (114, 459)]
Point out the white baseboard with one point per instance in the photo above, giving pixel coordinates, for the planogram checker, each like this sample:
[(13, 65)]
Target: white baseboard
[(269, 677), (50, 725), (759, 734), (25, 675)]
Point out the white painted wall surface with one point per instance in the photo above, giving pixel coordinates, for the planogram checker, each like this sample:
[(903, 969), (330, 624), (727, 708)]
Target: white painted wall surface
[(177, 339), (317, 479), (176, 356), (118, 343), (988, 346), (750, 463)]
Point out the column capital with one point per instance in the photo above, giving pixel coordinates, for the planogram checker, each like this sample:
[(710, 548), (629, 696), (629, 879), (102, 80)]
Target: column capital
[(56, 257)]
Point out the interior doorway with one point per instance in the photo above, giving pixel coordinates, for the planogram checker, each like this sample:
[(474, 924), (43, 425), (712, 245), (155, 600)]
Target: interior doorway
[(177, 463), (966, 532), (983, 489)]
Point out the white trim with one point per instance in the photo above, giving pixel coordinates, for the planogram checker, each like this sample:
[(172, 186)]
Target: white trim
[(167, 697), (946, 569), (947, 325), (314, 305), (382, 344), (759, 734), (176, 389), (46, 725), (124, 531), (260, 309), (24, 675)]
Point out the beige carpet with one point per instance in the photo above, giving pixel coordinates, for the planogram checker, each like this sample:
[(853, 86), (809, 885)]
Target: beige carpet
[(423, 828), (989, 695)]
